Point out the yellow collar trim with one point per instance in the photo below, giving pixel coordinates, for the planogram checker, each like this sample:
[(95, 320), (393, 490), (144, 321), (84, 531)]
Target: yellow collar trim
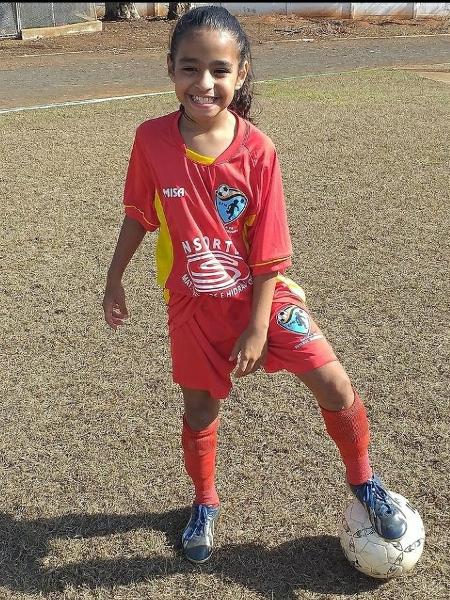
[(200, 158)]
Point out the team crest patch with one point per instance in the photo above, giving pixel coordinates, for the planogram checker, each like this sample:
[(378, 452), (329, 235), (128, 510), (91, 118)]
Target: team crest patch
[(230, 203), (295, 319)]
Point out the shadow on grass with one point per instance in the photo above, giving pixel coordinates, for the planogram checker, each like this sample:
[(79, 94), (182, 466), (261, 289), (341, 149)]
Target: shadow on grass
[(310, 563)]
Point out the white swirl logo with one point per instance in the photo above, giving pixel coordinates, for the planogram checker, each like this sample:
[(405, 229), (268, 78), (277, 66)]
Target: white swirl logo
[(214, 271)]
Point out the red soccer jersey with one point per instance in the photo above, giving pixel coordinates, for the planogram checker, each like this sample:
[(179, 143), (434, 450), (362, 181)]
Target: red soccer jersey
[(219, 221)]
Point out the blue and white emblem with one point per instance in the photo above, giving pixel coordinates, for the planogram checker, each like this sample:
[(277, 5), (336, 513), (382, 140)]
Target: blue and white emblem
[(295, 319), (230, 203)]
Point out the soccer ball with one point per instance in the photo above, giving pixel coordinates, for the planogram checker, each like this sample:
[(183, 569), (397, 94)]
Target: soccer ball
[(375, 556)]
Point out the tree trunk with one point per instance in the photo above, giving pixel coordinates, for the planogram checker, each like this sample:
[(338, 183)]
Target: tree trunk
[(177, 9), (121, 11), (172, 13)]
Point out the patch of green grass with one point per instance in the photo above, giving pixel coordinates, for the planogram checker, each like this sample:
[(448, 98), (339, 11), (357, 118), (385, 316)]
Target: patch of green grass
[(352, 88)]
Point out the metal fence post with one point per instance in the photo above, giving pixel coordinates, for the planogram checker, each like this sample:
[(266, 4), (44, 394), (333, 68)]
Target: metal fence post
[(18, 19)]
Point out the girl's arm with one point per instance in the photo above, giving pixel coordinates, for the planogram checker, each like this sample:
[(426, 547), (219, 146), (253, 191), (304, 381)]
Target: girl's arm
[(251, 347), (114, 305)]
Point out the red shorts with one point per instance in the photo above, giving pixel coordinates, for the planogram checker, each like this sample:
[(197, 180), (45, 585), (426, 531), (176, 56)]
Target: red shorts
[(203, 332)]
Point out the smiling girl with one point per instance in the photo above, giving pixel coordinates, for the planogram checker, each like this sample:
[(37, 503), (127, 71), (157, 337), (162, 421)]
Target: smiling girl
[(210, 182)]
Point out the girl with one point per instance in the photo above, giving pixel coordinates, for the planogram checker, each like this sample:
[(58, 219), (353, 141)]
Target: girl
[(210, 181)]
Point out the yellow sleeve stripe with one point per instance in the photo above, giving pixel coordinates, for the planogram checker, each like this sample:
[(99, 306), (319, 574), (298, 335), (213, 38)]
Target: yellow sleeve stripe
[(143, 216), (269, 262), (164, 246), (248, 223)]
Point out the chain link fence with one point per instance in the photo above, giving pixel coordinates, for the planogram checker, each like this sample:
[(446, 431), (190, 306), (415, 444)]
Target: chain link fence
[(15, 16), (8, 19)]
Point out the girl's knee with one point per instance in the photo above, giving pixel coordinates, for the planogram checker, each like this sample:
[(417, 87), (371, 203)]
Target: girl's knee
[(200, 409), (338, 393), (331, 386)]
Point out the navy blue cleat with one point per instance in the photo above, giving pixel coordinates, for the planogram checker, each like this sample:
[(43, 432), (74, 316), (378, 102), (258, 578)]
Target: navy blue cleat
[(198, 537), (386, 517)]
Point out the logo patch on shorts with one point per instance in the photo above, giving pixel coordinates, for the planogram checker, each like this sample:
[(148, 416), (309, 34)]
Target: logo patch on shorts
[(230, 203), (295, 319)]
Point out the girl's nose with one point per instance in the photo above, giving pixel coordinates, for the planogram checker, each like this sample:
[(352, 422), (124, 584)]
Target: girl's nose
[(206, 81)]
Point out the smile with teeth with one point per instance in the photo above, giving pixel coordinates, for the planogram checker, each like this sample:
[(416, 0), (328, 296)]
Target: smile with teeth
[(203, 99)]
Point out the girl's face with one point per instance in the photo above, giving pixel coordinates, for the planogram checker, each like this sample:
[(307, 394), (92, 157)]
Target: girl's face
[(206, 73)]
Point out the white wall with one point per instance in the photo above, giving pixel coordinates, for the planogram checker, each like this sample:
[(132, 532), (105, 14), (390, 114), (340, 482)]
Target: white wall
[(255, 8), (432, 9), (337, 10), (383, 9)]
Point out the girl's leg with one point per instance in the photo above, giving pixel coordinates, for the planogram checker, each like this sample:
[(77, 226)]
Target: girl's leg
[(346, 421), (296, 344), (200, 423), (199, 439), (345, 417)]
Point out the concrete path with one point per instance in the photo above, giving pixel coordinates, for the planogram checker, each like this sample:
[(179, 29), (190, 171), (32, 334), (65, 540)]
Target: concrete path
[(44, 79)]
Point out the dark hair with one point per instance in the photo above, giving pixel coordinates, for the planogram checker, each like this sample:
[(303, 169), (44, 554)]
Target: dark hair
[(218, 18)]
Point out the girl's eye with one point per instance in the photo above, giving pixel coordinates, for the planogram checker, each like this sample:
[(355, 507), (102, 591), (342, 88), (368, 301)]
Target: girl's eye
[(222, 71), (190, 69)]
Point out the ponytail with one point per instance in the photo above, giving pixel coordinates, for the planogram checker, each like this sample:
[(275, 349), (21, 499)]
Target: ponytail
[(242, 101)]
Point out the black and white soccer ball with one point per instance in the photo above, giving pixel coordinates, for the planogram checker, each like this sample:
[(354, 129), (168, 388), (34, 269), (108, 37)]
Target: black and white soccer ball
[(375, 556)]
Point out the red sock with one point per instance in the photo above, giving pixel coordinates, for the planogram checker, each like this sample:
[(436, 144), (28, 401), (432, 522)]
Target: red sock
[(349, 429), (200, 460)]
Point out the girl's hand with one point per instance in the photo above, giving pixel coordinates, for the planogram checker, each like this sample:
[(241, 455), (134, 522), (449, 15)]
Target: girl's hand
[(114, 305), (250, 350)]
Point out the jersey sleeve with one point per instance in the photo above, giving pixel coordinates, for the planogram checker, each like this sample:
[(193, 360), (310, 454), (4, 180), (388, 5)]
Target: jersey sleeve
[(139, 192), (270, 247)]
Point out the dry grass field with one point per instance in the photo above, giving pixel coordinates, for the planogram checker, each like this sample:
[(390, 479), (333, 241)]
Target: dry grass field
[(93, 492)]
